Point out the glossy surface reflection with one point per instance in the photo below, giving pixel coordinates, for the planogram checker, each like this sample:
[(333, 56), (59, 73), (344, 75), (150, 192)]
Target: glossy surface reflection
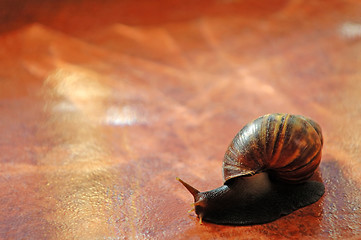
[(99, 113)]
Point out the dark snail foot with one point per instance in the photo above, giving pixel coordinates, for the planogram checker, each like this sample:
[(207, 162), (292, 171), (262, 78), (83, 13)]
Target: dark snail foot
[(283, 199)]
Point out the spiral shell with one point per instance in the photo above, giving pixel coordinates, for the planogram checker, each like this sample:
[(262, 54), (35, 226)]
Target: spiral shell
[(286, 146)]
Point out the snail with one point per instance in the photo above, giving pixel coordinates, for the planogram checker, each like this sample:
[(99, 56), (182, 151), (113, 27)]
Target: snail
[(266, 171)]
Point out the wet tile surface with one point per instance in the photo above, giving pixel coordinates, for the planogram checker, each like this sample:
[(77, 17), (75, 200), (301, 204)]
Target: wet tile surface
[(99, 117)]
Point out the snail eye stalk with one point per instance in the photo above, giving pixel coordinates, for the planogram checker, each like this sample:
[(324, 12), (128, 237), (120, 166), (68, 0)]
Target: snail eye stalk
[(191, 189)]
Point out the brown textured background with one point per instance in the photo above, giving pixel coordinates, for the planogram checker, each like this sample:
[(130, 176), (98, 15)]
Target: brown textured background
[(104, 103)]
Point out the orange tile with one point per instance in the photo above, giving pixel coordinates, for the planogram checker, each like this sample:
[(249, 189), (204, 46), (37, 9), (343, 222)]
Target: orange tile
[(103, 104)]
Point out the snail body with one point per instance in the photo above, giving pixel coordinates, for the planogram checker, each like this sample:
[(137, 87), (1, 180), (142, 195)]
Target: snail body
[(266, 172)]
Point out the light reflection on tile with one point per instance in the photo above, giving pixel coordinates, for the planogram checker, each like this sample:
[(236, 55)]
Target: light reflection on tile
[(80, 184), (122, 116), (350, 30)]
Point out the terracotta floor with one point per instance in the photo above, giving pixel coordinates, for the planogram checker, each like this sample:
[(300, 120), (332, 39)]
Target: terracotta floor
[(104, 103)]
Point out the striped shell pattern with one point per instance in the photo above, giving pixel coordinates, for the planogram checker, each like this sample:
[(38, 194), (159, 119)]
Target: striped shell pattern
[(286, 146)]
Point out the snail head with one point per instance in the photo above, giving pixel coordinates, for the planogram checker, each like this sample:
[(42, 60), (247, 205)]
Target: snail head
[(200, 200)]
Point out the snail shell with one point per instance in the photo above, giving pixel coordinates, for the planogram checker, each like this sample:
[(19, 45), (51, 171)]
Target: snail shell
[(266, 171), (286, 146)]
